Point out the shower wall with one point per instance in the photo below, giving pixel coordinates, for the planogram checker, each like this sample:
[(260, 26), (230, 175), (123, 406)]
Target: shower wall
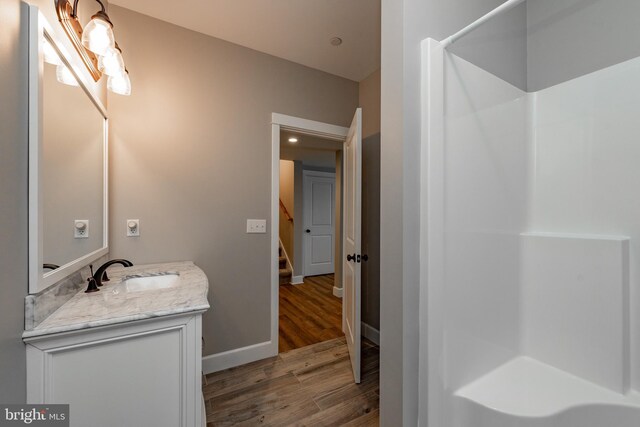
[(485, 187), (586, 155), (560, 160), (567, 39), (533, 222), (541, 225)]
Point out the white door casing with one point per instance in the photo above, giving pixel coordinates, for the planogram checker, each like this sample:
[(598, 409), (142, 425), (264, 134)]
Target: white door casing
[(352, 239), (319, 222)]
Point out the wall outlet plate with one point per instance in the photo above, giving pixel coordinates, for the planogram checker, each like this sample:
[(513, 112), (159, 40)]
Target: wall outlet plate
[(81, 229), (133, 227), (256, 226)]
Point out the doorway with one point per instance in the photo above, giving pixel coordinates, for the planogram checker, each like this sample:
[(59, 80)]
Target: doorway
[(351, 141), (310, 280)]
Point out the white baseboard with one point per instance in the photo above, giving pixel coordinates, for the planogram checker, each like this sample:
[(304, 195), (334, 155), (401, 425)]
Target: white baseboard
[(337, 292), (240, 356), (297, 280), (371, 333)]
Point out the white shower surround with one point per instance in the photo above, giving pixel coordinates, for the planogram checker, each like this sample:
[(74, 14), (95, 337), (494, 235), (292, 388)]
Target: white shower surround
[(530, 219)]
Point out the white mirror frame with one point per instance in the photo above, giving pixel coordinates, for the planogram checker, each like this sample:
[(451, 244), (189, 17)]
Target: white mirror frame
[(39, 30)]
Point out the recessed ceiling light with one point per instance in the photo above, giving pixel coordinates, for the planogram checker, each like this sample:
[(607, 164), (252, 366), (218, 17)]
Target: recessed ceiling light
[(293, 139), (336, 41)]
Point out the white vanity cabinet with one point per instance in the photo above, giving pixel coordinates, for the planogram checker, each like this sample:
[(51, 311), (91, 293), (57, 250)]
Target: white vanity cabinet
[(139, 373)]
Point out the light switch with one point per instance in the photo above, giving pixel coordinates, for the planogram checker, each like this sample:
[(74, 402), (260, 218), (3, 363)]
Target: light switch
[(256, 226)]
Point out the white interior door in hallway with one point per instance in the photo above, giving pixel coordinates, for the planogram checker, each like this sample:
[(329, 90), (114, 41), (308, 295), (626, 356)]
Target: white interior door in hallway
[(319, 222), (352, 242)]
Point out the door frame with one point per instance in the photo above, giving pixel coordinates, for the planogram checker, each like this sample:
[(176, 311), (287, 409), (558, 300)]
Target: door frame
[(304, 126)]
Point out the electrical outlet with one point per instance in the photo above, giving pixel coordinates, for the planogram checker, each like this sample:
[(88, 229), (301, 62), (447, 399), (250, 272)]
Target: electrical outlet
[(133, 227), (256, 226), (81, 229)]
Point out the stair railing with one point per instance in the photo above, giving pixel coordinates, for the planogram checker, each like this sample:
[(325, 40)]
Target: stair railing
[(286, 212)]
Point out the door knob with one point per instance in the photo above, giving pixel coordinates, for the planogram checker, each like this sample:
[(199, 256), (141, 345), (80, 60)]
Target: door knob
[(365, 257), (351, 257), (307, 231)]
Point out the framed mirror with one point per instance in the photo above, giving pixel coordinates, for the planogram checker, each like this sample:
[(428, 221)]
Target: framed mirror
[(67, 162)]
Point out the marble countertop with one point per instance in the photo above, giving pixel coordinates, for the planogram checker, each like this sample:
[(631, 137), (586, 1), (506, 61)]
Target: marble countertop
[(115, 304)]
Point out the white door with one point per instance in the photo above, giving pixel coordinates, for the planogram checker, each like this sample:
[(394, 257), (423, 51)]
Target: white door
[(352, 236), (319, 222)]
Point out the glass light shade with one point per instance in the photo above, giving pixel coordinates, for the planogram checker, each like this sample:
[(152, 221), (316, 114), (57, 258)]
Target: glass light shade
[(98, 36), (64, 75), (120, 84), (50, 54), (111, 63)]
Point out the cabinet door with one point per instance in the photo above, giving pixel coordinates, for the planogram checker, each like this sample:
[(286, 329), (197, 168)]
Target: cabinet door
[(141, 378)]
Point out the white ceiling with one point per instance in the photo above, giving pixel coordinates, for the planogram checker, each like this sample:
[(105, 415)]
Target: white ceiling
[(296, 30)]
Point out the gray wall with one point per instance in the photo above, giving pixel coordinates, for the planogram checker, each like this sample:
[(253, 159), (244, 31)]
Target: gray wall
[(570, 38), (311, 158), (191, 158), (405, 23), (13, 203), (369, 101), (337, 254), (371, 230)]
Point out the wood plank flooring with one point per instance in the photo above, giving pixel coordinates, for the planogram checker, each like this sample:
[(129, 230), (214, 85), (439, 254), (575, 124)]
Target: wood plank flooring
[(309, 313), (309, 386)]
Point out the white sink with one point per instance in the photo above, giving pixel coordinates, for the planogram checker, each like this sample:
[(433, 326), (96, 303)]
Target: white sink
[(151, 282)]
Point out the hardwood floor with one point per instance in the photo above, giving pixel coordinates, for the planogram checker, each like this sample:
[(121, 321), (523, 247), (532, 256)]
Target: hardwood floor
[(310, 382), (309, 313), (309, 386)]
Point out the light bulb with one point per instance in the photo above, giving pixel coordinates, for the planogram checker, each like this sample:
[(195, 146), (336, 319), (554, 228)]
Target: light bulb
[(120, 84), (49, 53), (64, 75), (111, 63), (98, 35)]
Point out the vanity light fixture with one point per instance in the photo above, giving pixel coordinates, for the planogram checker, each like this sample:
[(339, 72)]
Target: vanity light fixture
[(293, 140), (120, 83), (98, 33), (111, 63), (96, 45)]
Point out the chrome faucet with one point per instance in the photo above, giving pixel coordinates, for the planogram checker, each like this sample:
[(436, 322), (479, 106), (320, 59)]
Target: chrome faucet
[(101, 273)]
